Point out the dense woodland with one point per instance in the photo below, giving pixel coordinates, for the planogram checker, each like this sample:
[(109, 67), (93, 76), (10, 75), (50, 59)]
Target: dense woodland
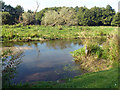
[(82, 16)]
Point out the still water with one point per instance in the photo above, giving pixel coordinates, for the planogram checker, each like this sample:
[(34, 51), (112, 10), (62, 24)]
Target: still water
[(46, 61)]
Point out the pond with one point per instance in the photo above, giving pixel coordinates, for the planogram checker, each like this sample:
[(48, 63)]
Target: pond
[(46, 60)]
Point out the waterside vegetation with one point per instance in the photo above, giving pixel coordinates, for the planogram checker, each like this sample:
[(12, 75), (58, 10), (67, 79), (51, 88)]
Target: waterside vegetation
[(36, 32), (95, 27)]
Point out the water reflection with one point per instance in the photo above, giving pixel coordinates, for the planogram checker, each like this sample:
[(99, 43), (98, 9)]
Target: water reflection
[(63, 44), (47, 60), (9, 66), (50, 44)]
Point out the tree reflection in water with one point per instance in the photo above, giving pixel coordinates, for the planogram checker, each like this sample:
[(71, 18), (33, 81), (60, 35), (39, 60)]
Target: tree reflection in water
[(9, 64), (62, 44)]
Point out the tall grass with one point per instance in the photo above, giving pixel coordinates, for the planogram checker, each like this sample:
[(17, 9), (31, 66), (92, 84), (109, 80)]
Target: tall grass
[(98, 57), (36, 32)]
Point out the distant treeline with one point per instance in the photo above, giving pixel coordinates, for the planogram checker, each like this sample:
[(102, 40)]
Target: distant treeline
[(69, 16)]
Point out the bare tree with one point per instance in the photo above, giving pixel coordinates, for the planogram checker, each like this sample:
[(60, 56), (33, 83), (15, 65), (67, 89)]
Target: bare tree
[(38, 4), (29, 17)]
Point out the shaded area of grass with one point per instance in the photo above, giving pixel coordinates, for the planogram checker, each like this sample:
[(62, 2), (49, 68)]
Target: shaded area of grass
[(101, 79)]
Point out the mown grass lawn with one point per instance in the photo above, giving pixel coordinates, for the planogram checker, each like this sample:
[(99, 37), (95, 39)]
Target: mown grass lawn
[(101, 79)]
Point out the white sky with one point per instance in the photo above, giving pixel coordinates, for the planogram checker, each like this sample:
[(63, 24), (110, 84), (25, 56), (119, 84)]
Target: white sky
[(31, 4)]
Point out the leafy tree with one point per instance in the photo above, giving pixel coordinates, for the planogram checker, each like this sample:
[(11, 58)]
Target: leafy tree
[(26, 18), (39, 15), (50, 17), (19, 11), (68, 16), (60, 16), (83, 16), (2, 4), (76, 9), (116, 20), (6, 18), (29, 17), (96, 15), (107, 15), (29, 11), (65, 16), (11, 10), (57, 9)]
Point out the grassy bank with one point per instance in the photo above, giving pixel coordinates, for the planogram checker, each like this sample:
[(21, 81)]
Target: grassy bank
[(101, 79), (94, 57), (102, 56), (36, 32)]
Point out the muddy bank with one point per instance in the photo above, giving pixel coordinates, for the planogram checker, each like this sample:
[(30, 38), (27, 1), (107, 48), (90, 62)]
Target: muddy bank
[(13, 50)]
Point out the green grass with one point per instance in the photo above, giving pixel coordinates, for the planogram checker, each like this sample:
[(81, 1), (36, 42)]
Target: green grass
[(98, 57), (109, 52), (101, 79), (36, 32)]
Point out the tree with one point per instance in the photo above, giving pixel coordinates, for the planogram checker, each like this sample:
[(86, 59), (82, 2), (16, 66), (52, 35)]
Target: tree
[(19, 11), (2, 4), (26, 18), (65, 16), (50, 17), (39, 15), (96, 16), (34, 13), (116, 20), (11, 10), (69, 16), (83, 16), (107, 15), (29, 17), (6, 18), (29, 11), (76, 9)]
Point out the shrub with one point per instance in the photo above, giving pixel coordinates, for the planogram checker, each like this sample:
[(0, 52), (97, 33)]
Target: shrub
[(65, 16), (6, 18), (26, 18)]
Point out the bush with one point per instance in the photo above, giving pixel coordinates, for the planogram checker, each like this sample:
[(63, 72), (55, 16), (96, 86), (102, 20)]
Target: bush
[(26, 18), (6, 18), (95, 49), (65, 16), (116, 20)]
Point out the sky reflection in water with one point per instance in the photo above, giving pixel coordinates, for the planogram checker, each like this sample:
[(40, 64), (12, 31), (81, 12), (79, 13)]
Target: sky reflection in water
[(47, 61)]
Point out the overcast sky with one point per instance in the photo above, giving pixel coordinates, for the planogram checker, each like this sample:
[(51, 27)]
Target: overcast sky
[(31, 4)]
